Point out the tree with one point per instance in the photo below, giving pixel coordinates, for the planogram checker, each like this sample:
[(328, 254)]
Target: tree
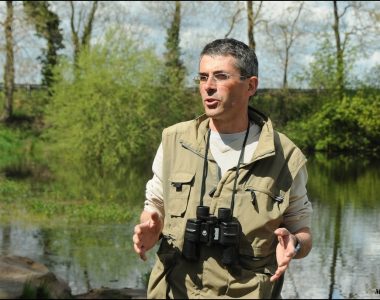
[(356, 37), (340, 47), (46, 23), (253, 18), (235, 18), (80, 43), (103, 116), (173, 79), (175, 68), (9, 70), (288, 32)]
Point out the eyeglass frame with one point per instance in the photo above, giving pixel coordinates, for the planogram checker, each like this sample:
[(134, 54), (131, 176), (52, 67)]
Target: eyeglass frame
[(197, 78)]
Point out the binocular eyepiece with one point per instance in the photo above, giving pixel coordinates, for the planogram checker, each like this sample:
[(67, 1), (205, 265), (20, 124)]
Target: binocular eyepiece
[(210, 230)]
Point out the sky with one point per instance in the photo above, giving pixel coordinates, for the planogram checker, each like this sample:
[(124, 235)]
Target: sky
[(202, 21)]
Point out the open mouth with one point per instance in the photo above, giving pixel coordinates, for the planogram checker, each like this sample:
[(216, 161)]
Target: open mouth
[(211, 103)]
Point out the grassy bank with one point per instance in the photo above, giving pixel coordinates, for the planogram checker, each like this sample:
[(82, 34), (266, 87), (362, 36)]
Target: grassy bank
[(30, 189)]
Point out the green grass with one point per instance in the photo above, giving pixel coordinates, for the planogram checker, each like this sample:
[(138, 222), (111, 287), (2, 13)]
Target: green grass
[(69, 212), (10, 146), (20, 200)]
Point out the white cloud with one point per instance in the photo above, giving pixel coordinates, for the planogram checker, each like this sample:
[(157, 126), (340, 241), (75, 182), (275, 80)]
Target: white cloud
[(364, 65), (375, 58)]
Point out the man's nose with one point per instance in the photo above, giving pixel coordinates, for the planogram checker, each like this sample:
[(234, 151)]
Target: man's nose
[(210, 84)]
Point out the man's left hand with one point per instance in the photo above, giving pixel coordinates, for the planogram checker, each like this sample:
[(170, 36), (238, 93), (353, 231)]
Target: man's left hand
[(285, 251)]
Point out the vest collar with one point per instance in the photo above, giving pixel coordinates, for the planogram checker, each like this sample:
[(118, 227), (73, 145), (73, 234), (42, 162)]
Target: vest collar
[(265, 146)]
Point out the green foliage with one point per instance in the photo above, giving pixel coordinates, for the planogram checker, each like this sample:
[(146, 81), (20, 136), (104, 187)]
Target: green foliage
[(350, 125), (28, 103), (11, 190), (105, 113), (106, 117), (175, 68), (84, 212), (284, 105), (30, 291), (174, 97), (21, 150), (323, 72), (47, 26), (10, 144), (344, 179), (31, 103)]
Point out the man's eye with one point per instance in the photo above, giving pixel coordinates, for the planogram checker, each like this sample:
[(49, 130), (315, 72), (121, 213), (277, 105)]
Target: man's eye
[(203, 77), (221, 76)]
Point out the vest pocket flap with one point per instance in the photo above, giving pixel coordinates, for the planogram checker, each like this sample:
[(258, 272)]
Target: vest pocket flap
[(184, 178)]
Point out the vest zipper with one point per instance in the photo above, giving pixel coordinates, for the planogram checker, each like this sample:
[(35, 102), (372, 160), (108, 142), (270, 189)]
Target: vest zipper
[(279, 199), (192, 150)]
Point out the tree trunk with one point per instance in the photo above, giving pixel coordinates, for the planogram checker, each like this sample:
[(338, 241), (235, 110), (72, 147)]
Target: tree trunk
[(286, 63), (9, 71), (78, 43), (251, 24), (339, 52), (88, 29)]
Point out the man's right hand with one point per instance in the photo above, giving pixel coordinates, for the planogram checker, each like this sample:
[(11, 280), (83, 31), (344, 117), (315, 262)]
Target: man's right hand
[(147, 233)]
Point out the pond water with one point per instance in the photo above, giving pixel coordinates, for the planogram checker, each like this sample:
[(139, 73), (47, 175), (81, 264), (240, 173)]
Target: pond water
[(343, 264)]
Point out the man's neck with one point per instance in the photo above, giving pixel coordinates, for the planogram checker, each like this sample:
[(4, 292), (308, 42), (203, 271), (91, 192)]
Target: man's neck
[(223, 126)]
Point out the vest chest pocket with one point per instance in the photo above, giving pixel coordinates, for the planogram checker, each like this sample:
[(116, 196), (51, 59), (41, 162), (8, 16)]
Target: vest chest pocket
[(260, 210), (178, 193)]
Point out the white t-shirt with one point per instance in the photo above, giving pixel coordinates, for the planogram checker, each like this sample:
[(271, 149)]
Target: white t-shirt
[(226, 147)]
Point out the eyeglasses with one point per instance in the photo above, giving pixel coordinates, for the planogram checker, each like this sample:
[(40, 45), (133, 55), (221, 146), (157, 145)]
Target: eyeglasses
[(218, 77)]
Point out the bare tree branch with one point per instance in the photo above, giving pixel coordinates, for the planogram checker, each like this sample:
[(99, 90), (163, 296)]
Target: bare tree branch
[(88, 28), (233, 21)]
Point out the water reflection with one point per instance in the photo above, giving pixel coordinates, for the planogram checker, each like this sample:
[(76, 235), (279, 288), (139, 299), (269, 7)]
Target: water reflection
[(344, 262), (86, 256), (346, 250)]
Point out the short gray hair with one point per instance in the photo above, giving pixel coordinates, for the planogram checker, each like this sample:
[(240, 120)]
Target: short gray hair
[(246, 60)]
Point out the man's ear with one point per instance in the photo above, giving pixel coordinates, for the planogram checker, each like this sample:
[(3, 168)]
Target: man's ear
[(253, 83)]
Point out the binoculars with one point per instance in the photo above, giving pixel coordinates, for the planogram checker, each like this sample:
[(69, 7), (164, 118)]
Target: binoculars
[(210, 230)]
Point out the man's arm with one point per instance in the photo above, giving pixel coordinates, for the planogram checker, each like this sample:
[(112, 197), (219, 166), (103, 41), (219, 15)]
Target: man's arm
[(147, 233), (297, 220)]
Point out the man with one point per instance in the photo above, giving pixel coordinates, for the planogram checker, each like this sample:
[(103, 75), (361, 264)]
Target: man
[(228, 197)]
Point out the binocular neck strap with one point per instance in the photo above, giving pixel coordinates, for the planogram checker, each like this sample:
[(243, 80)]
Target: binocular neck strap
[(241, 158), (205, 168)]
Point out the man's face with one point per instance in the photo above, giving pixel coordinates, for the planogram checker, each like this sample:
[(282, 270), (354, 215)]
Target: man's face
[(226, 100)]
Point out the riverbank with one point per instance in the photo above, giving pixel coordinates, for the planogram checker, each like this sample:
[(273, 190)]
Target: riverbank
[(24, 278)]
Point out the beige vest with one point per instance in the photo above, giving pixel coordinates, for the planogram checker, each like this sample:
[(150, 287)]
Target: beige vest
[(261, 197)]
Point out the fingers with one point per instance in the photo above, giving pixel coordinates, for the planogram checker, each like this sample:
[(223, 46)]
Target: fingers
[(281, 232), (284, 252), (279, 272), (137, 242), (140, 250)]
